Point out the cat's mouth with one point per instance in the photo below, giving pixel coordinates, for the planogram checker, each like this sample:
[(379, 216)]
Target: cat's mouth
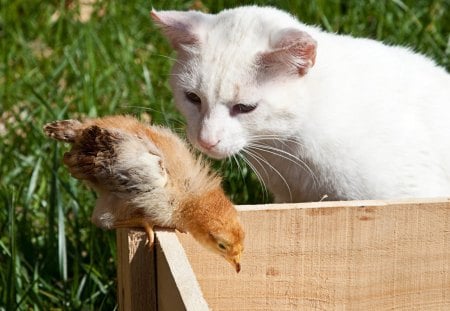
[(222, 149)]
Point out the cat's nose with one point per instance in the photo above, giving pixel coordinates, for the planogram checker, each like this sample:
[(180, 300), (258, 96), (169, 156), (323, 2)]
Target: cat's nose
[(208, 144)]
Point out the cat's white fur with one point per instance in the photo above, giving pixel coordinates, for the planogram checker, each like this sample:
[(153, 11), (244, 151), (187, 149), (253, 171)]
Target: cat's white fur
[(360, 120)]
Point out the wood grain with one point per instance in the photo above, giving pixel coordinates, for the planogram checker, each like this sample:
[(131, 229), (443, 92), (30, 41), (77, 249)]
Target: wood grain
[(136, 288), (159, 278), (334, 256)]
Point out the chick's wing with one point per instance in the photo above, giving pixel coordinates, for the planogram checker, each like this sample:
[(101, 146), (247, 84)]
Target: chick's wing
[(111, 160)]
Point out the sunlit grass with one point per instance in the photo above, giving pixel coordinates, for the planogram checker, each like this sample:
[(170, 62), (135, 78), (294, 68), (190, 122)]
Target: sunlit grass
[(54, 66)]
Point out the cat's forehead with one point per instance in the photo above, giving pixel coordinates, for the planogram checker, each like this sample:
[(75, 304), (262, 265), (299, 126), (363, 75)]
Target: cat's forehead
[(226, 83), (217, 71), (235, 30), (224, 63)]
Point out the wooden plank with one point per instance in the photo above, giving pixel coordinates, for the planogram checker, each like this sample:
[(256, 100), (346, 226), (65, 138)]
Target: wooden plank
[(334, 256), (178, 288), (135, 272)]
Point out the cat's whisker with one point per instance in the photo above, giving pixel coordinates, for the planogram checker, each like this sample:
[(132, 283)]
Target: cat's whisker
[(177, 122), (260, 160), (178, 61), (257, 173), (287, 156), (255, 156), (248, 152), (140, 107), (179, 130), (161, 112), (255, 150), (166, 56), (277, 138), (173, 75), (283, 140), (238, 166)]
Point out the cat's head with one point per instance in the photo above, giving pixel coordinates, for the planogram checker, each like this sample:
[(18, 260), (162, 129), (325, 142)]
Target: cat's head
[(237, 75)]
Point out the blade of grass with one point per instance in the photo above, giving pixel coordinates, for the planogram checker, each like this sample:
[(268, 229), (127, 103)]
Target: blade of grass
[(62, 249), (33, 180), (12, 276)]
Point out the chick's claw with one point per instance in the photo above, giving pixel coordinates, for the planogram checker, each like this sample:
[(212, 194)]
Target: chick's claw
[(150, 234), (138, 223)]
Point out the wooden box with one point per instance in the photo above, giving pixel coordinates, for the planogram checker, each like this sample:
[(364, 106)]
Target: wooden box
[(355, 255)]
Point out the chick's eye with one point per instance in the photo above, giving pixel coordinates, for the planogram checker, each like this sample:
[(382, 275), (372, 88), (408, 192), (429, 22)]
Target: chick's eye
[(193, 98), (222, 246), (242, 108)]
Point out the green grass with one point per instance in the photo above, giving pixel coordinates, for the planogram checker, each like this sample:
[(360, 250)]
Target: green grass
[(51, 256)]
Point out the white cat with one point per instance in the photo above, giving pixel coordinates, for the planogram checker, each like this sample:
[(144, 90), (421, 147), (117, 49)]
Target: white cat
[(313, 113)]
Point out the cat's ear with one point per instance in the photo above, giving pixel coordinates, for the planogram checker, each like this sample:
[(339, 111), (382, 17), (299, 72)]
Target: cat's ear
[(292, 51), (181, 28)]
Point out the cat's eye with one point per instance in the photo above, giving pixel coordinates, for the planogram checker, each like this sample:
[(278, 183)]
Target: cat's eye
[(193, 98), (242, 108)]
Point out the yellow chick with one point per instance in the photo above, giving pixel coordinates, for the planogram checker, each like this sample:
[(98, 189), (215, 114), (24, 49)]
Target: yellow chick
[(146, 176)]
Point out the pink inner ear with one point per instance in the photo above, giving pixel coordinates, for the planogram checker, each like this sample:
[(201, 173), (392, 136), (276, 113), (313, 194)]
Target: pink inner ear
[(293, 51), (177, 26)]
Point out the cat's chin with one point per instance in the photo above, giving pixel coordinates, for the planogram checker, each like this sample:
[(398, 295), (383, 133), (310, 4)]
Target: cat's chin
[(218, 155)]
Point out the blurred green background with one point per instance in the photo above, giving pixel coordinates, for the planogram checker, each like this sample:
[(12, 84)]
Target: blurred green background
[(69, 59)]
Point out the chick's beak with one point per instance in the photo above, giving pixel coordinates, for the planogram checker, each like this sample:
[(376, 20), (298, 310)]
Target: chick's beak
[(235, 261), (237, 265)]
